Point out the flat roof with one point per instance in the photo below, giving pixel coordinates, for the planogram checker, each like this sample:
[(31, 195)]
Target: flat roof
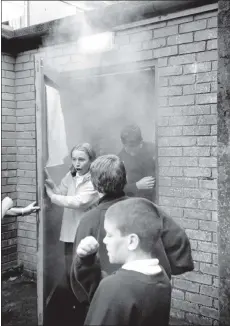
[(121, 13)]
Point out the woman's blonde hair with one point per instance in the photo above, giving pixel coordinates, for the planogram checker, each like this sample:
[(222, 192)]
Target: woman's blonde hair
[(86, 148)]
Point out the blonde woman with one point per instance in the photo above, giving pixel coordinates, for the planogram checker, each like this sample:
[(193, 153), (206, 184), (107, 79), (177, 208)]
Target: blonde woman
[(75, 193)]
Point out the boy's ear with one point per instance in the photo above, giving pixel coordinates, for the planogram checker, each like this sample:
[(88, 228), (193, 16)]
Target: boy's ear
[(133, 242)]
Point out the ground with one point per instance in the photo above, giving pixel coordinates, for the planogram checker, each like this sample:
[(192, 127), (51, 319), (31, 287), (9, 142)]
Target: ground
[(19, 302)]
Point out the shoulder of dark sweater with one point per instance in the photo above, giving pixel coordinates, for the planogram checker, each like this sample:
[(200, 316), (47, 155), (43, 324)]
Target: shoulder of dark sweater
[(168, 221), (169, 226), (135, 284), (108, 200), (91, 218), (126, 277)]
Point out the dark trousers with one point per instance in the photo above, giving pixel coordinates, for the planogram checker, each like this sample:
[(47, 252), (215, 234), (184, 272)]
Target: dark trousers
[(68, 252), (63, 308)]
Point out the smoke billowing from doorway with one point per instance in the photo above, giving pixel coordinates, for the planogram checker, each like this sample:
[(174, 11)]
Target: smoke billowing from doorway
[(102, 87), (99, 99)]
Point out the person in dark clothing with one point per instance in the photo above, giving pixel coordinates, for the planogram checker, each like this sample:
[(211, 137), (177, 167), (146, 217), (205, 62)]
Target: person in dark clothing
[(139, 293), (108, 176), (138, 157), (172, 248)]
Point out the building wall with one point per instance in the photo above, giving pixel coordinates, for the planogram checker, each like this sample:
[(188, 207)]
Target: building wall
[(187, 155), (186, 53), (9, 163), (223, 140), (26, 158), (185, 50)]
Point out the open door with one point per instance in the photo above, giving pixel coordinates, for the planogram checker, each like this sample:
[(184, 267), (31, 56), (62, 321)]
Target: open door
[(94, 107), (51, 152), (41, 147)]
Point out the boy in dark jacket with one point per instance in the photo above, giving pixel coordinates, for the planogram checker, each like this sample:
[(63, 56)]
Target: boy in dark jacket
[(173, 249), (138, 157), (108, 176), (139, 293)]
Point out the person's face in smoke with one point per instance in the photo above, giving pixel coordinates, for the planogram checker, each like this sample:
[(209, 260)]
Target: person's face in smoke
[(80, 162), (132, 147)]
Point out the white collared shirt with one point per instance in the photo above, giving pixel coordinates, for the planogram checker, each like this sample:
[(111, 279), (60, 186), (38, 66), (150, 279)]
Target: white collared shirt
[(145, 266), (80, 179)]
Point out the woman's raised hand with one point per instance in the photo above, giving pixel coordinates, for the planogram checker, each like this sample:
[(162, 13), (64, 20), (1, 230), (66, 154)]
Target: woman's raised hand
[(49, 182), (49, 190)]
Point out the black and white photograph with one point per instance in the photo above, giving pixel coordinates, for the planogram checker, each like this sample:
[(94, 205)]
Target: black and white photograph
[(115, 163)]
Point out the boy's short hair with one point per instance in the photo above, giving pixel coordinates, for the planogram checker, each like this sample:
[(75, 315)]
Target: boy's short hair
[(108, 174), (139, 216), (131, 133)]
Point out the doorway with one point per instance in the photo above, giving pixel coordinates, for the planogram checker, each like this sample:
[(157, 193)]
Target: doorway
[(94, 107)]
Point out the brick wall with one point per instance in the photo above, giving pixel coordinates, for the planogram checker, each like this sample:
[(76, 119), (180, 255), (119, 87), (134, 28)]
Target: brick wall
[(185, 50), (8, 159), (186, 53), (26, 158)]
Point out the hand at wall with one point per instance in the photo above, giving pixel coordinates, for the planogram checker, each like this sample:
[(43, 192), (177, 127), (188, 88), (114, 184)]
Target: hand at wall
[(31, 208), (146, 183)]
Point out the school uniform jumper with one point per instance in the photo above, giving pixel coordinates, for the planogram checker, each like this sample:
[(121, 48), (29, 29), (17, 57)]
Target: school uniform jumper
[(131, 298), (93, 224), (173, 249)]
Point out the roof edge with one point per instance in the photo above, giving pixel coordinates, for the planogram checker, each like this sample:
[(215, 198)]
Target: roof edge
[(32, 37)]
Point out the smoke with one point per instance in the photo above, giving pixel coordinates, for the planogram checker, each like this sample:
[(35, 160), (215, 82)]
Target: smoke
[(102, 88), (100, 93)]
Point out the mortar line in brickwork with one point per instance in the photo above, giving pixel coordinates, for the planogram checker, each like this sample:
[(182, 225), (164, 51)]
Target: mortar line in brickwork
[(159, 19)]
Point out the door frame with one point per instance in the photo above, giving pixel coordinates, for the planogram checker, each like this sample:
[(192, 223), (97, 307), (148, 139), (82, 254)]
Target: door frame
[(40, 160), (41, 146), (121, 68)]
